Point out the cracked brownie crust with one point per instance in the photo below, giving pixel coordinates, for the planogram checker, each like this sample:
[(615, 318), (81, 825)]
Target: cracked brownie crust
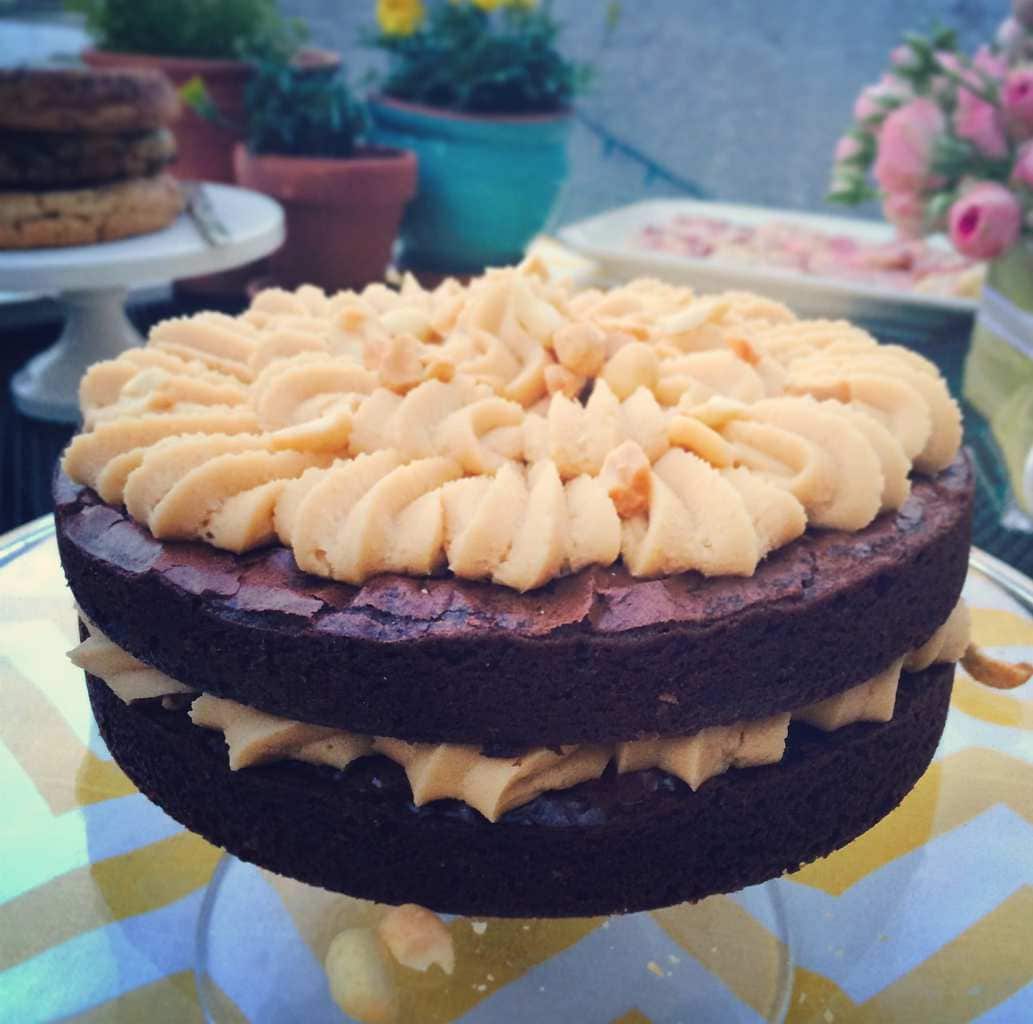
[(619, 843), (594, 657)]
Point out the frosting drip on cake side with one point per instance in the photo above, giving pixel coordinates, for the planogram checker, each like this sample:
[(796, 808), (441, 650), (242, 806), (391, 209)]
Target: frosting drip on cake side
[(510, 430), (494, 785)]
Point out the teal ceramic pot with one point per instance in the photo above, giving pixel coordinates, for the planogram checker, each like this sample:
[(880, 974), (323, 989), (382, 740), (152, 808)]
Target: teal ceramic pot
[(487, 185)]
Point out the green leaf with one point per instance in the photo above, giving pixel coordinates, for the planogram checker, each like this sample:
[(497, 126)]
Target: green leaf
[(191, 28), (890, 103), (937, 209), (464, 59), (849, 187), (921, 47), (194, 94), (944, 38), (301, 113)]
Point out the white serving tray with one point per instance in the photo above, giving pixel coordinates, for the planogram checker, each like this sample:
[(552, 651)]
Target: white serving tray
[(608, 238)]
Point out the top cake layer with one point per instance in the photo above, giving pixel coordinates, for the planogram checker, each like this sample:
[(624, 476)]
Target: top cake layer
[(509, 430), (593, 657)]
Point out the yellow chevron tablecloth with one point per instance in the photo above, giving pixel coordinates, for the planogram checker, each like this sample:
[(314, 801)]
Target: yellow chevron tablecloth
[(927, 917)]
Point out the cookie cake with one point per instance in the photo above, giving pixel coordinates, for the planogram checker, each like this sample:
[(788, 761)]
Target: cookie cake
[(511, 600), (83, 155)]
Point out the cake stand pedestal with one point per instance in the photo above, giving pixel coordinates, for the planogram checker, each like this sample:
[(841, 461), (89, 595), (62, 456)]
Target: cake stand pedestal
[(727, 958), (92, 282)]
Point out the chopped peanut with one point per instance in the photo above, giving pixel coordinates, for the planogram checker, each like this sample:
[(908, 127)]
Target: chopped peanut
[(581, 348), (406, 320), (535, 266), (715, 412), (633, 366), (359, 976), (398, 362), (622, 330), (352, 318), (744, 350), (559, 378), (1001, 675), (437, 366), (627, 477), (617, 339), (417, 938)]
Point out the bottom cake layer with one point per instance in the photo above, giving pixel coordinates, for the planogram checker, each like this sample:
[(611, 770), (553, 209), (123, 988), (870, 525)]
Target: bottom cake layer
[(616, 844)]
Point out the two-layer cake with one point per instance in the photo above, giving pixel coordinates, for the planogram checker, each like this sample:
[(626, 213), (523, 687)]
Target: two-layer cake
[(506, 600)]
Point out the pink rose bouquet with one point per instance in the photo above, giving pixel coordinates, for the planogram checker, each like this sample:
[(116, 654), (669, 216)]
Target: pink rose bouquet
[(945, 140)]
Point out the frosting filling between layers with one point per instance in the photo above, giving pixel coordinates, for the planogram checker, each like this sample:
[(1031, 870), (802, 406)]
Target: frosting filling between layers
[(494, 785)]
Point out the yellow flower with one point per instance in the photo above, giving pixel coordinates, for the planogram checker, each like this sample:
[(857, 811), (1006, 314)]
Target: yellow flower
[(494, 5), (399, 17)]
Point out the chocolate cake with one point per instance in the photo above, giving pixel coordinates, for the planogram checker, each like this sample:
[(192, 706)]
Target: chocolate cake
[(511, 601)]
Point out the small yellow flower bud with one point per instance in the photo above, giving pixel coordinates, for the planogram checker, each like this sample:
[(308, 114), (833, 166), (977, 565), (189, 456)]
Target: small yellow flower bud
[(399, 17)]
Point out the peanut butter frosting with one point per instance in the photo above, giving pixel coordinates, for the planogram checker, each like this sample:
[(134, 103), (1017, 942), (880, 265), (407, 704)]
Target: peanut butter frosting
[(494, 785), (510, 430)]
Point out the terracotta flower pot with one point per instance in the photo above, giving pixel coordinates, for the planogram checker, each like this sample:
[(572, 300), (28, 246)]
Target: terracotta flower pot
[(342, 214), (205, 148)]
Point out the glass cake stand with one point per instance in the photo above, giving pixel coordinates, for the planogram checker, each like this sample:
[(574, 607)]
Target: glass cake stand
[(261, 940)]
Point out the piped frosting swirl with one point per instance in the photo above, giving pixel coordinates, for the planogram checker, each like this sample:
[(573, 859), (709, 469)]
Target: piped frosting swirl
[(510, 430)]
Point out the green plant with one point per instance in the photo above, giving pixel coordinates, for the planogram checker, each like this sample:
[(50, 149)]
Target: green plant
[(301, 113), (191, 28), (477, 56)]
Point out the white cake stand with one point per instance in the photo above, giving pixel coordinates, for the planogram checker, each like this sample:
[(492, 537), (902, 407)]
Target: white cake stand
[(92, 281)]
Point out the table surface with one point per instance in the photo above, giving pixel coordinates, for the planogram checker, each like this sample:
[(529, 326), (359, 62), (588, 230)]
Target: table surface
[(926, 917)]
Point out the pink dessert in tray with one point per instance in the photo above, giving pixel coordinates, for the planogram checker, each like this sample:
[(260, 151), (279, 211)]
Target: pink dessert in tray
[(904, 265)]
